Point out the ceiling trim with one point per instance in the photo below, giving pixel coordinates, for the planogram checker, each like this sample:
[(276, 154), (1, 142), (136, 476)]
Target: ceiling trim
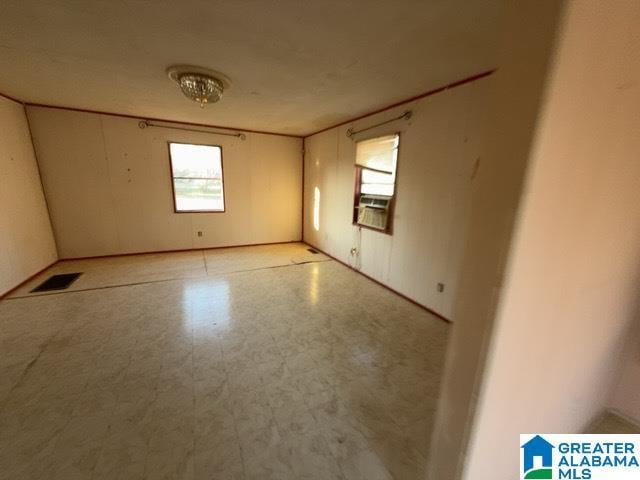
[(449, 86), (434, 91), (165, 120), (8, 97)]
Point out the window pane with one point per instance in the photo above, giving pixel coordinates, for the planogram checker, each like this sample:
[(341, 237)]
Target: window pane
[(197, 177), (199, 161), (369, 176), (376, 189), (379, 153), (377, 183), (198, 194)]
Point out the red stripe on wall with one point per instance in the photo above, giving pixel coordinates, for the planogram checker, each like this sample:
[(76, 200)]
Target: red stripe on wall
[(9, 97), (152, 119), (449, 86)]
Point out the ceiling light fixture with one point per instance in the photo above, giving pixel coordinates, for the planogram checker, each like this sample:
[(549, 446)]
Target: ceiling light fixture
[(199, 84)]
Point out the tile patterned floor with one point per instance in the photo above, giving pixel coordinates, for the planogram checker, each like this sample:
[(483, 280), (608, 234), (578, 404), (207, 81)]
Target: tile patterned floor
[(158, 267), (307, 371)]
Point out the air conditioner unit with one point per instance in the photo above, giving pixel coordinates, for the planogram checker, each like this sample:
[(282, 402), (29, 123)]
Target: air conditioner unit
[(373, 211)]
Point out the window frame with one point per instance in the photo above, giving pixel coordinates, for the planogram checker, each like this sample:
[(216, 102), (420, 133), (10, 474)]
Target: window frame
[(357, 186), (172, 178)]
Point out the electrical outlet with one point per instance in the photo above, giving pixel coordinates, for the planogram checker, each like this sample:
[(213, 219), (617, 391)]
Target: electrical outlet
[(353, 251), (199, 234), (441, 287)]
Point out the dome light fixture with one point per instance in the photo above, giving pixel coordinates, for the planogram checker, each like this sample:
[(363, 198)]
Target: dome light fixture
[(199, 84)]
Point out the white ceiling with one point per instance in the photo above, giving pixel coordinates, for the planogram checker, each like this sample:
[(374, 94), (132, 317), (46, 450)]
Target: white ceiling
[(296, 66)]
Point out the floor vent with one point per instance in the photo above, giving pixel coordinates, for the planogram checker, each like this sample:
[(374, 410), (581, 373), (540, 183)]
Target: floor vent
[(312, 250), (57, 282)]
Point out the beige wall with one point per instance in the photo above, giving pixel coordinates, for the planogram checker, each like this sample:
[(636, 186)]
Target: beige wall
[(515, 96), (26, 240), (108, 185), (438, 148), (571, 290)]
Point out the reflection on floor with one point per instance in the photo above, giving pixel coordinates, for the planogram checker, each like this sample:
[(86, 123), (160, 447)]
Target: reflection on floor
[(613, 423), (308, 371)]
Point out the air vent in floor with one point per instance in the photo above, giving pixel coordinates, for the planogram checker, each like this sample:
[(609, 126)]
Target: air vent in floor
[(57, 282)]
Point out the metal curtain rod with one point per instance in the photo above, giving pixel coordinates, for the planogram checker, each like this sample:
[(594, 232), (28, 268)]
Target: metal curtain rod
[(146, 123), (406, 115)]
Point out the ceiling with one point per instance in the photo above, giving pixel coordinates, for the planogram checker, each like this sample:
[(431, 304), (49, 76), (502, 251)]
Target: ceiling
[(296, 66)]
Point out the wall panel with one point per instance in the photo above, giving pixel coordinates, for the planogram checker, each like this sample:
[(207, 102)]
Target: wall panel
[(109, 186), (438, 149), (26, 239)]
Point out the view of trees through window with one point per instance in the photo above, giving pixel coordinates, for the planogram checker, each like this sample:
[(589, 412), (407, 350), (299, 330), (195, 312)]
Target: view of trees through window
[(197, 177)]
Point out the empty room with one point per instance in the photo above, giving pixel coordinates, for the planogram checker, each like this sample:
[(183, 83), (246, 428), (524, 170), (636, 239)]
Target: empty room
[(352, 240)]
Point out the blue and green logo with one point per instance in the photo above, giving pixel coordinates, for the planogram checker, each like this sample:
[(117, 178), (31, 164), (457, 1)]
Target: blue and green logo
[(537, 448)]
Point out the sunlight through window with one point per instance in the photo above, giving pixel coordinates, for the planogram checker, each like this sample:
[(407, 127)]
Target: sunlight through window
[(316, 209)]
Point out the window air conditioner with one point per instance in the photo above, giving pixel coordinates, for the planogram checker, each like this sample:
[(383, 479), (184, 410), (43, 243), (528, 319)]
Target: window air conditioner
[(373, 211)]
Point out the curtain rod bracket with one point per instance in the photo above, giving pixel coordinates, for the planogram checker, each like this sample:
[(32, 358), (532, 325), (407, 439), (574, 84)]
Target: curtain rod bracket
[(405, 116)]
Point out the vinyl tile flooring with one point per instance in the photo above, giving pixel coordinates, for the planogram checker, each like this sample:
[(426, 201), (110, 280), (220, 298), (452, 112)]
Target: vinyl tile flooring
[(157, 267), (268, 363)]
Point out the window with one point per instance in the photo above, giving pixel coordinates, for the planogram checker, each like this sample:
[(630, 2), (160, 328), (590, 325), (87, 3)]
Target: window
[(376, 164), (196, 172)]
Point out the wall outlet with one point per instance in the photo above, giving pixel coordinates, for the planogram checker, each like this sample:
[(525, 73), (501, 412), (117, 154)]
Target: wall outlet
[(441, 287), (199, 234), (353, 251)]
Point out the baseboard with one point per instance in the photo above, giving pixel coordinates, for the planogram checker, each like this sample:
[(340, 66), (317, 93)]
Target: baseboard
[(198, 249), (31, 277), (65, 259), (424, 307), (409, 299)]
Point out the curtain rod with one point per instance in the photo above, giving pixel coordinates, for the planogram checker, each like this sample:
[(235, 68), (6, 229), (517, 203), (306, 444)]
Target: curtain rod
[(146, 123), (406, 115)]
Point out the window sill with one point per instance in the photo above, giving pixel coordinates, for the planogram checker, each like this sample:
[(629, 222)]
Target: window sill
[(199, 211)]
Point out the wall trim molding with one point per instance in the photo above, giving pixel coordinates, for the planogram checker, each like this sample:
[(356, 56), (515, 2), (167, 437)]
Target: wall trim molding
[(164, 120), (28, 279), (304, 153), (180, 250), (9, 97), (402, 295), (69, 259), (429, 93)]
